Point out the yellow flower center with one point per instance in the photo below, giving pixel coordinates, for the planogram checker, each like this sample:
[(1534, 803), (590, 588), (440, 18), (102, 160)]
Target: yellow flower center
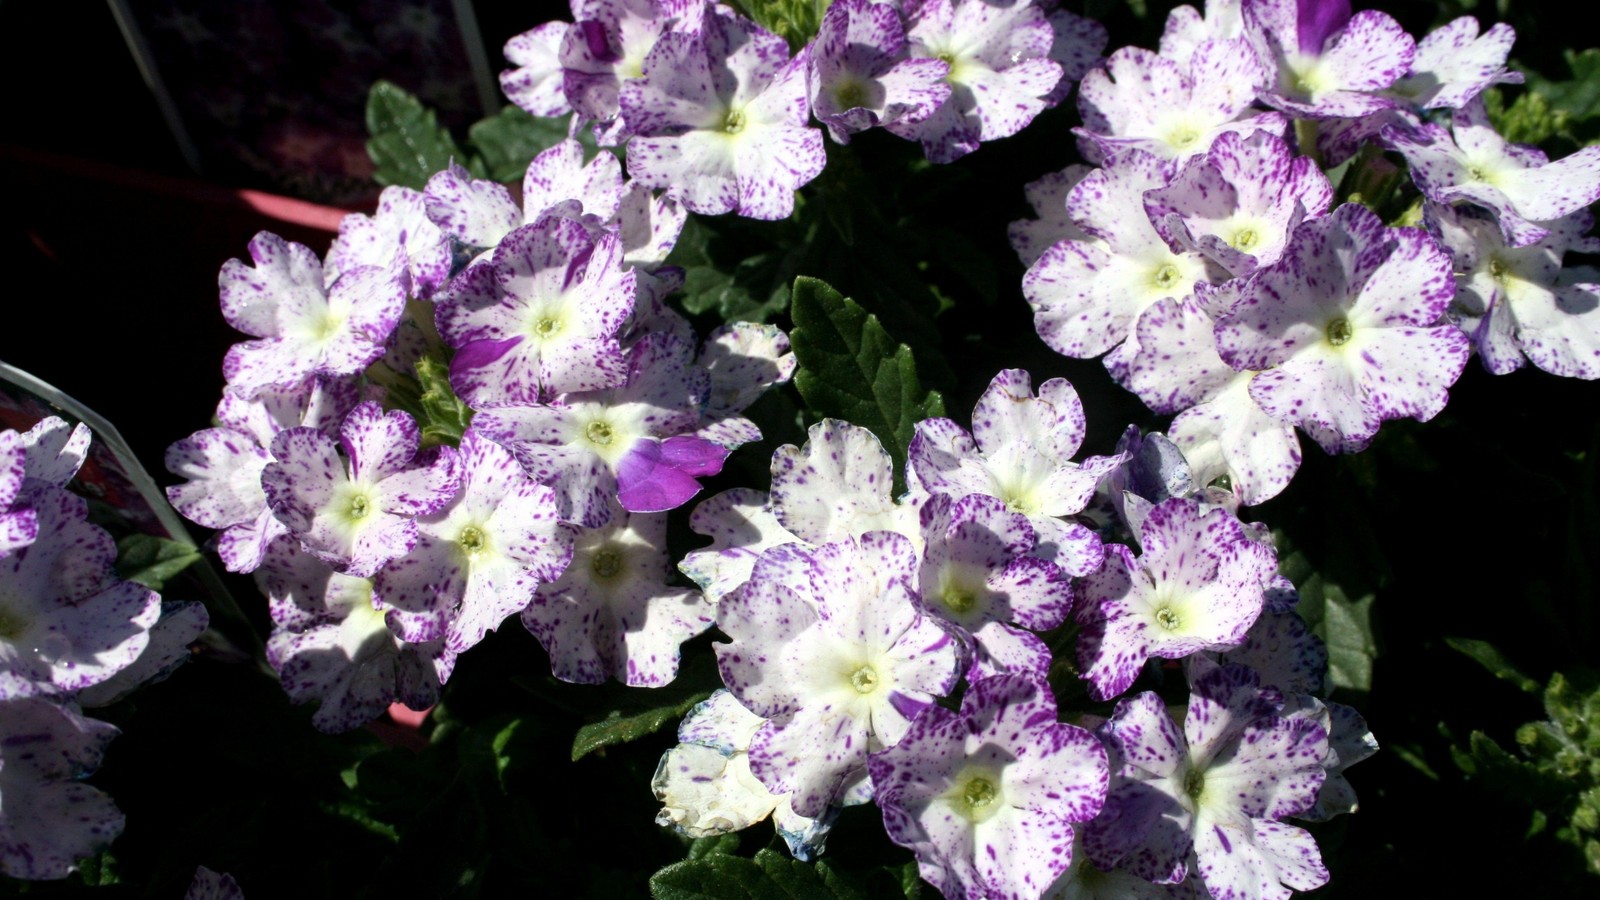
[(599, 433), (864, 680), (607, 563), (1340, 332)]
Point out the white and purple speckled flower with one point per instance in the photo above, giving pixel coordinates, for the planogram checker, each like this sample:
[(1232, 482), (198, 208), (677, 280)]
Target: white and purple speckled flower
[(1143, 101), (741, 526), (1000, 72), (52, 452), (1517, 303), (1020, 451), (19, 525), (479, 559), (828, 645), (987, 797), (1239, 203), (1516, 181), (331, 643), (1198, 585), (1187, 28), (304, 328), (359, 519), (66, 622), (168, 648), (706, 787), (720, 120), (860, 75), (1077, 45), (838, 486), (1086, 295), (1220, 428), (51, 820), (633, 444), (1207, 802), (475, 212), (223, 465), (611, 614), (1327, 63), (1454, 64), (540, 317), (606, 48), (978, 574), (400, 228), (1345, 324), (536, 84), (559, 182), (1048, 197)]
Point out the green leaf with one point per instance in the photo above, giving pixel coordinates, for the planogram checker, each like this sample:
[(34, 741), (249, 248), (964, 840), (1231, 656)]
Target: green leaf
[(407, 143), (714, 844), (770, 876), (510, 139), (1345, 625), (849, 368), (152, 561), (624, 724), (443, 417), (1490, 658)]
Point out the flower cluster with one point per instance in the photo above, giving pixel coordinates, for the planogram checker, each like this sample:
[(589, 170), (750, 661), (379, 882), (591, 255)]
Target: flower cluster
[(470, 409), (1206, 256), (72, 636), (851, 613), (718, 111)]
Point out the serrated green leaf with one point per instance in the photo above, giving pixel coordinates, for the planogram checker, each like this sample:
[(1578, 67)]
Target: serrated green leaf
[(510, 139), (714, 844), (620, 726), (1490, 658), (770, 876), (407, 143), (1345, 626), (152, 561), (851, 369)]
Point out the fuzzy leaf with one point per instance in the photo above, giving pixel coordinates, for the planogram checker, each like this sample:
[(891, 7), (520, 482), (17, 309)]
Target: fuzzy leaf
[(510, 139), (407, 143), (851, 369), (152, 561), (1490, 658), (628, 723), (1345, 625)]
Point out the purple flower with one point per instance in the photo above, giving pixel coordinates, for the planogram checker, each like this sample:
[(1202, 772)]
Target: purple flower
[(540, 317), (1454, 64), (1143, 101), (986, 797), (1345, 324), (606, 49), (358, 520), (979, 575), (719, 120), (536, 83), (860, 77), (1327, 63), (400, 228), (1020, 451), (1209, 800), (1000, 72), (304, 329), (480, 558), (51, 819), (1517, 182), (611, 614), (829, 647), (1198, 586), (331, 643)]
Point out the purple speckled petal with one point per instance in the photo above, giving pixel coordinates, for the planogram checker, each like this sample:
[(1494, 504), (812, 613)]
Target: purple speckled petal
[(52, 821), (836, 486), (53, 451), (536, 83), (475, 212)]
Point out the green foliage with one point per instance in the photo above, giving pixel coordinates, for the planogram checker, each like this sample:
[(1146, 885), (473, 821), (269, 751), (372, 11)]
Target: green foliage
[(152, 561), (626, 722), (407, 142), (1558, 114), (408, 145), (849, 368), (1343, 622), (775, 876), (510, 139), (441, 415), (796, 21), (1555, 767)]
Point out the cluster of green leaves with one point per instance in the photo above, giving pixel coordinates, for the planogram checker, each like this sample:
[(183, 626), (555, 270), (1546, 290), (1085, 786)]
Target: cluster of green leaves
[(1555, 766), (407, 144), (1560, 115)]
